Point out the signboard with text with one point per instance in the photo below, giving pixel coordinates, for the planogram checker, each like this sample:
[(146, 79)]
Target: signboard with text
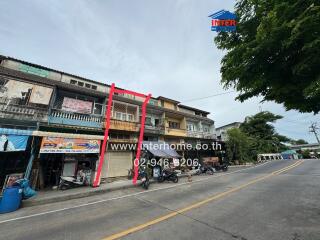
[(69, 145)]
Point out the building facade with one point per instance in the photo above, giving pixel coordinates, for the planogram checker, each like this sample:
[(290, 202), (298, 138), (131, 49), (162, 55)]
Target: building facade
[(222, 131), (62, 119)]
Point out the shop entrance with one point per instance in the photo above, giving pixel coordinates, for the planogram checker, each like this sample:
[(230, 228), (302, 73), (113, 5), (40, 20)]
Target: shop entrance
[(68, 165), (52, 166)]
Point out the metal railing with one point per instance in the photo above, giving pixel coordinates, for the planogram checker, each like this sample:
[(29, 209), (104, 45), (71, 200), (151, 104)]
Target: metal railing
[(75, 116), (195, 134), (75, 119)]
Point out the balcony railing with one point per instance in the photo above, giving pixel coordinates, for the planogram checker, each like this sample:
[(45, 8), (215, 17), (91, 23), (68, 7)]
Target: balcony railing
[(195, 134), (124, 125), (75, 119), (11, 110), (154, 129), (208, 135), (175, 132)]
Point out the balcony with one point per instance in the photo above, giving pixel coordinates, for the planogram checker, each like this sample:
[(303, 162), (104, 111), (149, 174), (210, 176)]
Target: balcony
[(115, 140), (75, 119), (209, 135), (154, 129), (124, 125), (194, 134), (11, 110), (178, 132)]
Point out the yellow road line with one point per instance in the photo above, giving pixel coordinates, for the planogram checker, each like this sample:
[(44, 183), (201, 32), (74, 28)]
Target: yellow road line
[(198, 204)]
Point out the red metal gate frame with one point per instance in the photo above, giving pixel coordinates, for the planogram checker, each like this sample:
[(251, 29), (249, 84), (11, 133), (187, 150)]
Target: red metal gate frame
[(106, 132)]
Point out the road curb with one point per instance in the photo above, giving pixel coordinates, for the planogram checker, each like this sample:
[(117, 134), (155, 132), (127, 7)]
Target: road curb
[(54, 199), (97, 191)]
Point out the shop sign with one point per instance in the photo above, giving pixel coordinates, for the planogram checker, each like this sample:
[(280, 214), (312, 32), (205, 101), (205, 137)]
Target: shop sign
[(76, 105), (69, 145), (33, 70), (13, 143)]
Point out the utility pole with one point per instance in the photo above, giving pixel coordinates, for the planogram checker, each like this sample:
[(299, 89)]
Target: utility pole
[(313, 129)]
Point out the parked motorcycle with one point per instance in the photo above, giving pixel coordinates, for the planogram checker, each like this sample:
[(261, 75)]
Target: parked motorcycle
[(224, 167), (207, 169), (168, 175), (72, 182)]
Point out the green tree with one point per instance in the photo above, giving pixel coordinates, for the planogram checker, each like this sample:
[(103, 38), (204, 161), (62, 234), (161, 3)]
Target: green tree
[(300, 141), (238, 146), (274, 53), (265, 139)]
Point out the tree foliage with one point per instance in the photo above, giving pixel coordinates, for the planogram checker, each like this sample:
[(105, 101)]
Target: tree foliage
[(299, 141), (255, 136), (275, 53), (238, 146)]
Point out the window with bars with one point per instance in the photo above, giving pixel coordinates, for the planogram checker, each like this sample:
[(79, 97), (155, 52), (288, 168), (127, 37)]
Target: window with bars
[(124, 111)]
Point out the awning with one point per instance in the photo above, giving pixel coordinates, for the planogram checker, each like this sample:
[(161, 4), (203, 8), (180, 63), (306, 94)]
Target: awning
[(160, 149), (13, 140), (10, 131)]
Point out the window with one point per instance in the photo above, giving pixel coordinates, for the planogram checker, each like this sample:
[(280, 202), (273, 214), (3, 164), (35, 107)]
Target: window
[(190, 127), (157, 122), (94, 87), (118, 115), (72, 81), (174, 125), (80, 84), (97, 109), (87, 85), (124, 117), (130, 118), (205, 129), (148, 121)]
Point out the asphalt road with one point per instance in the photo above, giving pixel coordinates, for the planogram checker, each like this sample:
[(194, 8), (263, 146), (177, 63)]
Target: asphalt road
[(277, 200)]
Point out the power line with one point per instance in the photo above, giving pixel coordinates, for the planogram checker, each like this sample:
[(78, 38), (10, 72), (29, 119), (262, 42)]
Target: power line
[(210, 96)]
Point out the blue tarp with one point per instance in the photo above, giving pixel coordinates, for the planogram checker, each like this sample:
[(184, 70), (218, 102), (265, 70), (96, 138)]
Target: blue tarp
[(13, 143)]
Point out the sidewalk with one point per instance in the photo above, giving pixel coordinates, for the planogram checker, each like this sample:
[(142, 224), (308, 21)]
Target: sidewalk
[(53, 196)]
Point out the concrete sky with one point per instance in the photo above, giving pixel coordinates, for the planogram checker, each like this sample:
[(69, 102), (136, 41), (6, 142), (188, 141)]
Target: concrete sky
[(161, 47)]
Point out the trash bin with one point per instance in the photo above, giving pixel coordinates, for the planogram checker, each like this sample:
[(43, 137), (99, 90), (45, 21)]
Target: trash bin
[(11, 199)]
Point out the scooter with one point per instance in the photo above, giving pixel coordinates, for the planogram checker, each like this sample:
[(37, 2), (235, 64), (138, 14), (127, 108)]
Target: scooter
[(143, 176), (168, 175), (224, 167), (207, 170), (72, 182)]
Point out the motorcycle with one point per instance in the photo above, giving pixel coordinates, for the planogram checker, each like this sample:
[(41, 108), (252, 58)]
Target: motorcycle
[(207, 169), (143, 176), (224, 167), (72, 182), (168, 175)]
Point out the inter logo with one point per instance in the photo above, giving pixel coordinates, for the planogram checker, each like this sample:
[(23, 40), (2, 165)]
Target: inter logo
[(223, 21)]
